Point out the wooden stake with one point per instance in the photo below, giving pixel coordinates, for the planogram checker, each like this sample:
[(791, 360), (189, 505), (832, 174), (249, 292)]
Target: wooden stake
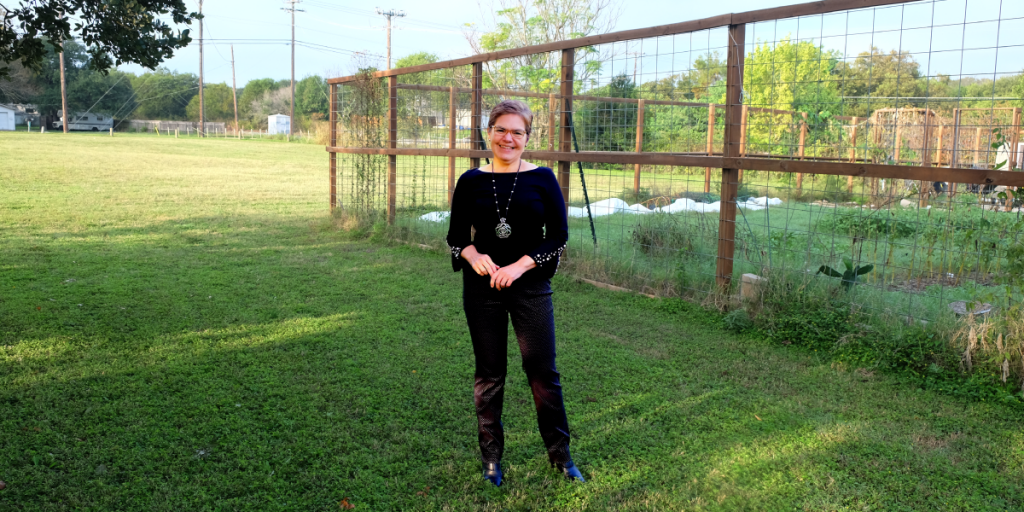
[(899, 143), (639, 146), (552, 108), (1015, 139), (476, 109), (926, 159), (800, 153), (977, 147), (853, 153), (710, 146), (743, 141)]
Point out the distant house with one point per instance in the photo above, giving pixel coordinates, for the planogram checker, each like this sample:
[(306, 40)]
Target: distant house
[(278, 123), (6, 118), (25, 113)]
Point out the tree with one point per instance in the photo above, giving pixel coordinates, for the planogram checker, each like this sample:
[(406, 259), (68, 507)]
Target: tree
[(798, 76), (277, 101), (220, 104), (46, 77), (99, 93), (164, 94), (877, 74), (437, 77), (416, 59), (253, 91), (311, 97), (605, 125), (16, 86), (87, 88), (114, 32), (519, 23)]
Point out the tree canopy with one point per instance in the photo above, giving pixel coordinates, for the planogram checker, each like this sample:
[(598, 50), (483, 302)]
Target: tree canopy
[(220, 104), (113, 32), (164, 94)]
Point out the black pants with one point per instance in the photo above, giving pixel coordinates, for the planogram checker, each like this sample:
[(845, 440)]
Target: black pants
[(528, 303)]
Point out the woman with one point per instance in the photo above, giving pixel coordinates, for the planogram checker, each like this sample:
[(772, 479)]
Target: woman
[(518, 214)]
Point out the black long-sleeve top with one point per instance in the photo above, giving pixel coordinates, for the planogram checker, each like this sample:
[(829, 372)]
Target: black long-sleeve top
[(537, 218)]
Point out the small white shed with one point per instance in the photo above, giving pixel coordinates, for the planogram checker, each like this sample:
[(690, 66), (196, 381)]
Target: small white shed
[(6, 118), (279, 123)]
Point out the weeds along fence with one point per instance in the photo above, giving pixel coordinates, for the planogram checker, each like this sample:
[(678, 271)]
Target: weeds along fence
[(794, 143)]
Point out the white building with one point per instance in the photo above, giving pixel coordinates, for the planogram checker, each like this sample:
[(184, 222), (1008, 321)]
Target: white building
[(6, 118), (279, 123)]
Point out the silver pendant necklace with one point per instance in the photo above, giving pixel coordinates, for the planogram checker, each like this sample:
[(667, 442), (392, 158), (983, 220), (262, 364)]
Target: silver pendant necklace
[(503, 230)]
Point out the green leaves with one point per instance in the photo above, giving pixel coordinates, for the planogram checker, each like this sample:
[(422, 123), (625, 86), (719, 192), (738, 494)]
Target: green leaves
[(113, 32), (851, 274)]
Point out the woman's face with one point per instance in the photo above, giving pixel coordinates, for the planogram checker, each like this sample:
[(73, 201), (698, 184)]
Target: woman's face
[(508, 137)]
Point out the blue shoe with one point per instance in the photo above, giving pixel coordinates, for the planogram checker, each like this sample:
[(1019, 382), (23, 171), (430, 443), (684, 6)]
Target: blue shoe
[(570, 471), (492, 473)]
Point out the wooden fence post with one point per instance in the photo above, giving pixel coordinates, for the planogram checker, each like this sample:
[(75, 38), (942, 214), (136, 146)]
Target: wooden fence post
[(639, 146), (565, 138), (853, 153), (552, 108), (452, 131), (733, 118), (711, 146), (800, 153), (333, 142), (392, 144), (476, 108), (743, 141)]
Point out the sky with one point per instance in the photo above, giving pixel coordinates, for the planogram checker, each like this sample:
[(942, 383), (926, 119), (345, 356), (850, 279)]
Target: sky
[(335, 37)]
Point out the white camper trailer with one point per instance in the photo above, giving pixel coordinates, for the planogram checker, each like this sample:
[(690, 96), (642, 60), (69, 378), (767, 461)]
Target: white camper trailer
[(87, 121)]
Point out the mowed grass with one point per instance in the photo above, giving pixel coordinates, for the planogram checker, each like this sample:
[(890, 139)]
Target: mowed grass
[(183, 328)]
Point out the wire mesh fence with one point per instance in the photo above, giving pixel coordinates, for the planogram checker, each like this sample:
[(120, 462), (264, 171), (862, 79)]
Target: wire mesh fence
[(863, 147)]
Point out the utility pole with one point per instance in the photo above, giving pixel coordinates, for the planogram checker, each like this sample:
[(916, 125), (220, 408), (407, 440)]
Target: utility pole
[(63, 96), (202, 105), (291, 116), (390, 14), (234, 89)]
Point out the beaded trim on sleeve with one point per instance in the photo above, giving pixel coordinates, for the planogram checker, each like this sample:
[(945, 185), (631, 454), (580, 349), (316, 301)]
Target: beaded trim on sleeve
[(456, 251), (548, 256)]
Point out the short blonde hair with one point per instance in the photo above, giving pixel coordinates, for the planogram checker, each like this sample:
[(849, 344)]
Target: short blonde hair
[(511, 107)]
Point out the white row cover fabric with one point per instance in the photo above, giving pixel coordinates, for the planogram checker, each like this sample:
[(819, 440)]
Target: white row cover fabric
[(616, 205)]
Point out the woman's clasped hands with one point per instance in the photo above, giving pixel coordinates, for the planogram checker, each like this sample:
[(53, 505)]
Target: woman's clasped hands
[(501, 277)]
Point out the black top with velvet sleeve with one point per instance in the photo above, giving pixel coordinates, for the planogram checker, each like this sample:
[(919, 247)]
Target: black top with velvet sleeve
[(537, 218)]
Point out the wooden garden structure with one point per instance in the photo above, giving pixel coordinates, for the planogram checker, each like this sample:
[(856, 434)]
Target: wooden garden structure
[(939, 140)]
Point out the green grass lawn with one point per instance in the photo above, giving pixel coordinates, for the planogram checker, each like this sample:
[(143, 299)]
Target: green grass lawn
[(183, 328)]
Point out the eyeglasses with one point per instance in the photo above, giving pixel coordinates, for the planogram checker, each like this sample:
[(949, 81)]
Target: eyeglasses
[(516, 134)]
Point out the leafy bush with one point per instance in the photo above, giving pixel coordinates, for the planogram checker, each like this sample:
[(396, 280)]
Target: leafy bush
[(857, 224), (738, 321), (661, 232)]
